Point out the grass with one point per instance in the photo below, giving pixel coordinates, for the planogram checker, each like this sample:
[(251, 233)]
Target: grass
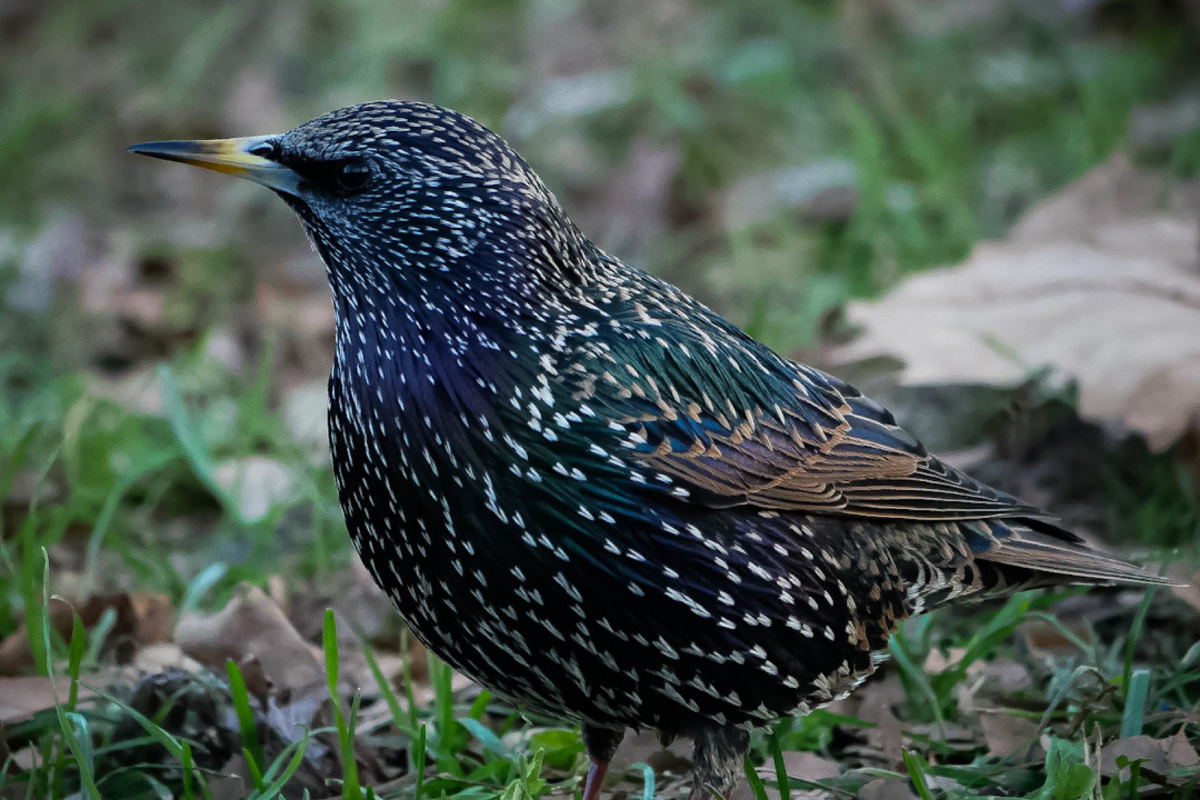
[(941, 139)]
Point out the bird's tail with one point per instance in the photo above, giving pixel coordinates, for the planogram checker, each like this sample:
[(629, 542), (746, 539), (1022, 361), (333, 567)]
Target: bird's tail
[(997, 557), (1056, 555)]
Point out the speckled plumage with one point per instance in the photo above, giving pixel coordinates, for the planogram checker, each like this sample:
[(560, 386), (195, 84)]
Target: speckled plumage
[(591, 493)]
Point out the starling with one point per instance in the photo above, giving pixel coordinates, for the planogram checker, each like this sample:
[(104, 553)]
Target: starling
[(587, 491)]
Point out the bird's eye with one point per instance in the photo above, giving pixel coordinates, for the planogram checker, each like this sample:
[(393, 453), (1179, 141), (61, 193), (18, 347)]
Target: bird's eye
[(353, 175), (269, 150)]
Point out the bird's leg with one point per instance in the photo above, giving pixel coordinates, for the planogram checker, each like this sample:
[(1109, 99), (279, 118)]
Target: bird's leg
[(595, 779), (717, 760), (601, 745)]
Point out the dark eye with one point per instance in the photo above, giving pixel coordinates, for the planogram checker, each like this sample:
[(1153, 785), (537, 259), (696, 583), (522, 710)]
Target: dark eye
[(269, 150), (352, 175)]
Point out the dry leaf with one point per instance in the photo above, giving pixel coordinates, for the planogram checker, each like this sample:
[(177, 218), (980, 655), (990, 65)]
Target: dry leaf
[(876, 703), (1187, 587), (21, 698), (804, 765), (252, 626), (304, 415), (256, 484), (884, 789), (1001, 674), (1007, 735), (142, 618), (1158, 756), (1098, 283), (938, 661), (363, 610)]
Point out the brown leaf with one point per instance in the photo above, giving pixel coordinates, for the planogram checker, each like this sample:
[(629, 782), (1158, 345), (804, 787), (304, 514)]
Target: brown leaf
[(1098, 283), (1158, 756), (1187, 587), (876, 702), (164, 656), (804, 765), (21, 698), (303, 408), (1041, 637), (1007, 735), (256, 484), (885, 789), (938, 661), (252, 626), (141, 618), (234, 782)]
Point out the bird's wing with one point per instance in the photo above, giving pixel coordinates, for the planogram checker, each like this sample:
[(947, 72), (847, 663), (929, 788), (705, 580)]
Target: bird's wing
[(714, 417)]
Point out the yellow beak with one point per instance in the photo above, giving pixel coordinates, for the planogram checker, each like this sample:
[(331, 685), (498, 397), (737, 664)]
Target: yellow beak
[(247, 157)]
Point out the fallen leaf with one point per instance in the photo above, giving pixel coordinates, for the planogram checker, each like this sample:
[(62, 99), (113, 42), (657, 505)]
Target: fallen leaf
[(163, 656), (939, 661), (232, 783), (1158, 756), (876, 703), (1007, 735), (137, 390), (304, 322), (304, 415), (142, 618), (21, 698), (1099, 283), (1042, 638), (802, 765), (1001, 674), (1187, 586), (252, 626), (887, 789), (364, 611), (256, 484)]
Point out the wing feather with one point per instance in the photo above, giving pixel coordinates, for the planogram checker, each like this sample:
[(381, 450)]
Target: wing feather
[(763, 431)]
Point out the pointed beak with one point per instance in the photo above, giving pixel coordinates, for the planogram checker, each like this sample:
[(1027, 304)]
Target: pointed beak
[(249, 157)]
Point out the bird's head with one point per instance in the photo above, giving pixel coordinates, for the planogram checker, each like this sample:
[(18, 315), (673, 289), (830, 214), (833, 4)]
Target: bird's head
[(397, 193)]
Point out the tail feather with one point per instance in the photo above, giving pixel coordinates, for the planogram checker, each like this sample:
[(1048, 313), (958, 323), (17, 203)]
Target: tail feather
[(1050, 552), (973, 560)]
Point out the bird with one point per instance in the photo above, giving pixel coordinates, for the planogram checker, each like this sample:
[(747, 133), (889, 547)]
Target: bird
[(589, 492)]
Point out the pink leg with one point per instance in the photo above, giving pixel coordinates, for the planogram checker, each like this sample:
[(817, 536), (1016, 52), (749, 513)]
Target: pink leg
[(595, 777)]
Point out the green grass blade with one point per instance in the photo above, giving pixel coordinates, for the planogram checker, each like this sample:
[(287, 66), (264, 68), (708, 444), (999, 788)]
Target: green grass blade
[(410, 694), (251, 746), (916, 771), (199, 586), (399, 718), (755, 781), (294, 761), (350, 786), (1135, 634), (418, 754), (781, 776), (1135, 703)]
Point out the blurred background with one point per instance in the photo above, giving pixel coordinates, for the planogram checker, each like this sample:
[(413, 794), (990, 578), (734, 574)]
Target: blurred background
[(165, 333)]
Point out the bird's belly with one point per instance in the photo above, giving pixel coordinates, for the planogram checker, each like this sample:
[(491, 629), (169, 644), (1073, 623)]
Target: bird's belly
[(563, 637), (634, 624)]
